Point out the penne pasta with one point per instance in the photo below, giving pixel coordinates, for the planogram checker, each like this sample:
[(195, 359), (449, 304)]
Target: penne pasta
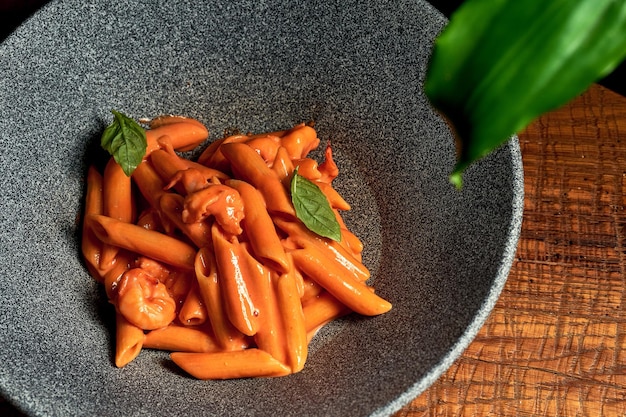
[(91, 247), (311, 290), (266, 146), (307, 167), (149, 183), (214, 158), (192, 312), (292, 316), (334, 198), (283, 166), (183, 135), (116, 193), (142, 241), (128, 341), (259, 227), (176, 338), (116, 203), (168, 119), (227, 336), (320, 310), (249, 166), (350, 291), (217, 268), (332, 251), (168, 164), (299, 141), (270, 335), (228, 365), (233, 274)]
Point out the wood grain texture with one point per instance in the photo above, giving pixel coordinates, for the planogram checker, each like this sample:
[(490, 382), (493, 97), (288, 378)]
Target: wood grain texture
[(555, 344)]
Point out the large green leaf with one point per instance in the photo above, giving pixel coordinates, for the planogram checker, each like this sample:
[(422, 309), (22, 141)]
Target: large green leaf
[(499, 64)]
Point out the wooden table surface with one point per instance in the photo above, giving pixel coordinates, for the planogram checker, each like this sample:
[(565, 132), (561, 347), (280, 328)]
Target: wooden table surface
[(555, 344)]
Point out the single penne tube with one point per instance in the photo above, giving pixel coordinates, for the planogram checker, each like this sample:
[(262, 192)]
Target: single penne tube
[(174, 338), (259, 227), (172, 205), (270, 334), (292, 317), (192, 311), (226, 335), (321, 310), (91, 247), (182, 136), (228, 365), (117, 193), (333, 251), (94, 194), (168, 119), (248, 165), (353, 293), (347, 259), (233, 275), (116, 202), (142, 241), (128, 341), (299, 141)]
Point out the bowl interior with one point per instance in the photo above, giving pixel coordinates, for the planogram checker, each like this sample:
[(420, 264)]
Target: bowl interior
[(438, 254)]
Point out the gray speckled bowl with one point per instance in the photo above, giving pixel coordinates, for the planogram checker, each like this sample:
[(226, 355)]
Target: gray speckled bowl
[(356, 68)]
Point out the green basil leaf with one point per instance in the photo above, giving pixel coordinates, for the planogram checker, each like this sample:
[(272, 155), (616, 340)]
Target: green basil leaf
[(126, 141), (499, 64), (313, 209)]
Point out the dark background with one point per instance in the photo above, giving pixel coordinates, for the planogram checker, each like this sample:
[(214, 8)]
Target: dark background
[(14, 12)]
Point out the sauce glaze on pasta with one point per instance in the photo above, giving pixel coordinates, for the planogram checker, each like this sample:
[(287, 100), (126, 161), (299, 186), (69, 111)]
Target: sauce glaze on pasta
[(207, 260)]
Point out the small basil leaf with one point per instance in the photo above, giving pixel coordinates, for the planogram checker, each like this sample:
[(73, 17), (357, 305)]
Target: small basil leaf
[(499, 64), (126, 141), (313, 209)]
